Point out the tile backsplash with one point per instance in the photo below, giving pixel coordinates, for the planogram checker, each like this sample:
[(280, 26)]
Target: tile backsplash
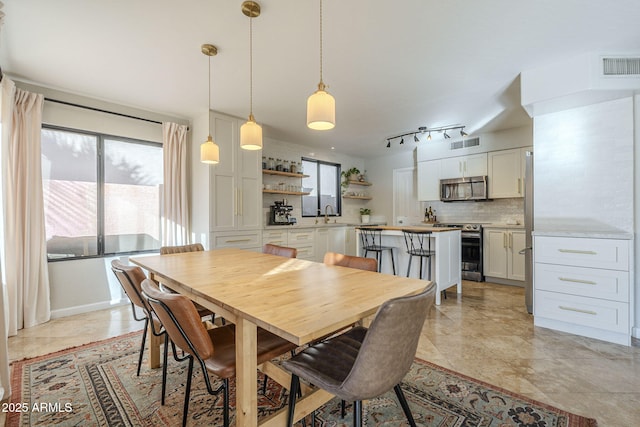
[(495, 211)]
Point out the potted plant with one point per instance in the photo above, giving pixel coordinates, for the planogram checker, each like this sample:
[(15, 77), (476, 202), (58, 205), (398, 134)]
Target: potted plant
[(349, 175), (365, 215)]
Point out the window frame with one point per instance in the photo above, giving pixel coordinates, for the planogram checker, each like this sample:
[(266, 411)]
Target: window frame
[(100, 175), (318, 188)]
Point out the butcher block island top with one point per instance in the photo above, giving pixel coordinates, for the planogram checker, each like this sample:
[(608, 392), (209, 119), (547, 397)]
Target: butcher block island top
[(417, 228), (445, 241)]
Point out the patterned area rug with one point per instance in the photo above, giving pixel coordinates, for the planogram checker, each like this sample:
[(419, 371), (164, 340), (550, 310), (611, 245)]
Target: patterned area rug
[(96, 385)]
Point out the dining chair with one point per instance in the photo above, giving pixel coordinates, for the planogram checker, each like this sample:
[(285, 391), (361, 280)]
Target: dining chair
[(361, 263), (213, 349), (279, 250), (365, 363), (130, 278), (371, 239), (194, 247)]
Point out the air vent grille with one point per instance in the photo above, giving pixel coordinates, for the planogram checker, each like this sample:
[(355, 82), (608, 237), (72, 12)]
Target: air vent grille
[(465, 143), (621, 66)]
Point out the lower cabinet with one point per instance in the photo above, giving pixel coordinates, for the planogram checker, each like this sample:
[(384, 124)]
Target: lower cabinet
[(583, 286), (239, 239), (501, 252), (311, 243)]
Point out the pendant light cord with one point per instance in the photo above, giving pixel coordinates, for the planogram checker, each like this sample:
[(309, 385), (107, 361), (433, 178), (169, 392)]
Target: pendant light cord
[(320, 41), (209, 97), (251, 68)]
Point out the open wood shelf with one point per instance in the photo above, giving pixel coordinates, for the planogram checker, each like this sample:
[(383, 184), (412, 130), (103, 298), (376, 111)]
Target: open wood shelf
[(359, 183), (279, 173), (290, 193), (357, 197)]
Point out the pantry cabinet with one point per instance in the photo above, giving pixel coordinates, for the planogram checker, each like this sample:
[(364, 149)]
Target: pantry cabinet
[(506, 173), (502, 258)]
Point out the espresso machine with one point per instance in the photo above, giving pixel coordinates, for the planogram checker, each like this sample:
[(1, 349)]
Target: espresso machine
[(280, 213)]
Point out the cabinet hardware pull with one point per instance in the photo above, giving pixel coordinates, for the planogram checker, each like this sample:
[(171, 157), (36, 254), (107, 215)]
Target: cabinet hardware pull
[(510, 240), (586, 282), (519, 188), (238, 240), (561, 307), (576, 251)]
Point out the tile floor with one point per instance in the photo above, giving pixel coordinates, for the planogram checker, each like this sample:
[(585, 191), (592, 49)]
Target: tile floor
[(486, 334)]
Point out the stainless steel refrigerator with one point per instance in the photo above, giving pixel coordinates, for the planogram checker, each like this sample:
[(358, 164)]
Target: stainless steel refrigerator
[(528, 226)]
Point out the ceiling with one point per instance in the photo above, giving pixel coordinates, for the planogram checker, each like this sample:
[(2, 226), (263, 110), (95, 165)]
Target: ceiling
[(392, 66)]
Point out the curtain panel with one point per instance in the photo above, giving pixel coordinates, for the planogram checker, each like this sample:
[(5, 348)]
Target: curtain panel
[(26, 269), (175, 200)]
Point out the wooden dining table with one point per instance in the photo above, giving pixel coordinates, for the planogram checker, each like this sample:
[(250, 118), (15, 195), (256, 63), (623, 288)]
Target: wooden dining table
[(295, 299)]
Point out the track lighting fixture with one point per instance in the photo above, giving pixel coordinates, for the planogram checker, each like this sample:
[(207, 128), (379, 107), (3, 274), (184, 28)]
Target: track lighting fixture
[(423, 129)]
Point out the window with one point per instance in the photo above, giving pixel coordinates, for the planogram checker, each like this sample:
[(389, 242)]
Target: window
[(101, 194), (324, 180)]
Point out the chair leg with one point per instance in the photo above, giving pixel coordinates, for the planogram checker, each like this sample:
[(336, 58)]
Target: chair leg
[(357, 413), (144, 338), (393, 263), (225, 410), (421, 262), (409, 268), (187, 392), (293, 392), (343, 409), (404, 404), (164, 366)]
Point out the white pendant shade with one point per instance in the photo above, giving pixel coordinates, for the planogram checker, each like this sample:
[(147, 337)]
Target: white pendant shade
[(251, 135), (209, 152), (321, 110)]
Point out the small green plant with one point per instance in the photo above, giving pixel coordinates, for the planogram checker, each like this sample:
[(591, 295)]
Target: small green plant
[(346, 176), (365, 211)]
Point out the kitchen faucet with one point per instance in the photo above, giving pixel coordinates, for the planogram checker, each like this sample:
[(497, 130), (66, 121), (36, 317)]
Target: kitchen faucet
[(326, 216)]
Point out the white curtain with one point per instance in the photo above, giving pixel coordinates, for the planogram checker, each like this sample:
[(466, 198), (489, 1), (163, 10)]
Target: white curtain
[(175, 202), (25, 254)]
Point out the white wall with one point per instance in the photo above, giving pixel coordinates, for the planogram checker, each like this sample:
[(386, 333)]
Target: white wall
[(584, 166)]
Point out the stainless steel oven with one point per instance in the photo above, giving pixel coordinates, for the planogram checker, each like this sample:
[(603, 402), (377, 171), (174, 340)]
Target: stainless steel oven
[(471, 248)]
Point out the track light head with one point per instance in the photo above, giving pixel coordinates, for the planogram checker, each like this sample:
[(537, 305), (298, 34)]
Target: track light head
[(446, 136), (401, 140), (429, 137), (415, 138), (388, 143), (463, 133)]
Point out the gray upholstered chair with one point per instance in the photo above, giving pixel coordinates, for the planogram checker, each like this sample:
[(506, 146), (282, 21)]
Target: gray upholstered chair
[(361, 263), (279, 250), (214, 349), (364, 363)]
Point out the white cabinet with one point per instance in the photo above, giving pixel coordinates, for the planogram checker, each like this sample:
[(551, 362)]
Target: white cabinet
[(502, 258), (583, 286), (330, 239), (303, 239), (429, 180), (463, 166), (506, 173), (236, 182)]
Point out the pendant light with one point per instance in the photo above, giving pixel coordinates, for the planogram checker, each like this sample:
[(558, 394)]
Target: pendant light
[(321, 107), (209, 150), (251, 132)]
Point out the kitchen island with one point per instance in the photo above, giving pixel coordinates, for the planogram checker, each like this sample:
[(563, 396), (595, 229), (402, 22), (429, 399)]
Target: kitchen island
[(445, 265)]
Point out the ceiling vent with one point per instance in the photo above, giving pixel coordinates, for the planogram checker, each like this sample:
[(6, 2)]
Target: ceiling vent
[(621, 66), (465, 143)]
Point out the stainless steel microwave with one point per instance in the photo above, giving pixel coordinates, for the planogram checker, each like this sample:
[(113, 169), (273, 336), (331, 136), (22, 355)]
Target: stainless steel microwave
[(463, 189)]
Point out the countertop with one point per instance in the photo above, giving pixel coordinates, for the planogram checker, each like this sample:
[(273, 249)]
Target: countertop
[(578, 227), (320, 224), (503, 225), (411, 228)]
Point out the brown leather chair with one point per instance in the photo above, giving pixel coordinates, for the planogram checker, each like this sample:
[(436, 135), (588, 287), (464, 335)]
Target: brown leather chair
[(130, 278), (194, 247), (279, 250), (214, 349), (364, 363), (361, 263)]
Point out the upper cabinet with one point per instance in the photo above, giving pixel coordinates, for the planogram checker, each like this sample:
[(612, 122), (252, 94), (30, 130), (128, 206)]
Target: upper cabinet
[(464, 166), (236, 182), (506, 173), (429, 180)]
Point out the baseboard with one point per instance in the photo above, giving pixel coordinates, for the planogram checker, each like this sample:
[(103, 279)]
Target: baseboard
[(501, 281), (635, 332), (80, 309)]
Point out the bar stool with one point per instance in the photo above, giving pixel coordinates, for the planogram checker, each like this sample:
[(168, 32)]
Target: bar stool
[(371, 239), (419, 244)]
